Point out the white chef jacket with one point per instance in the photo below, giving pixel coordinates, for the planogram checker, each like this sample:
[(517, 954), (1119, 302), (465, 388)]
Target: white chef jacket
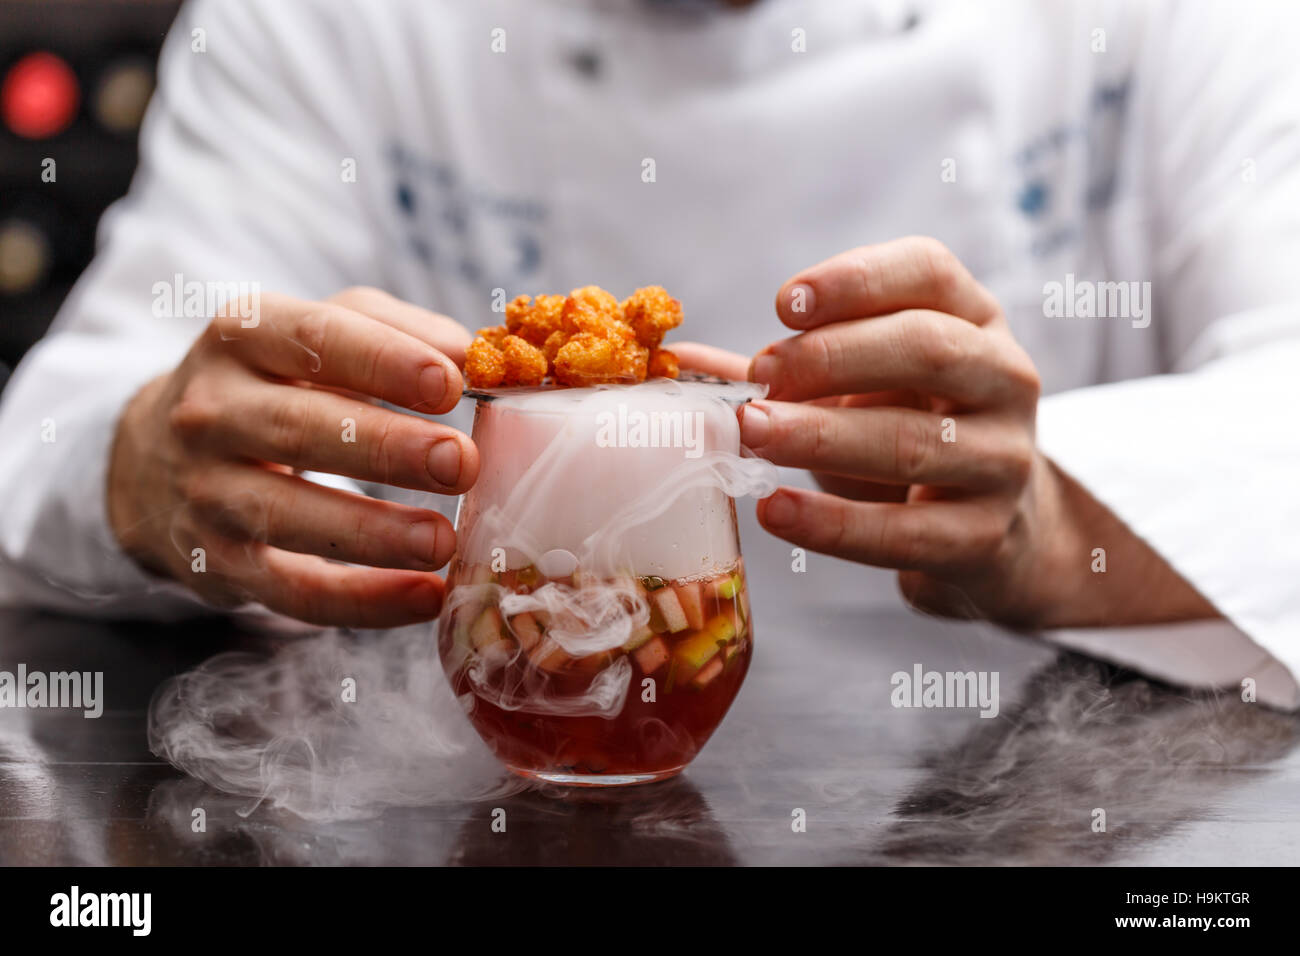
[(536, 146)]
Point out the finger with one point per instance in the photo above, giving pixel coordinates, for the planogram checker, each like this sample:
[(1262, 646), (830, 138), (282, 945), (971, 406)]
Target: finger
[(912, 273), (927, 352), (328, 344), (313, 430), (312, 589), (710, 360), (857, 490), (900, 446), (933, 536), (445, 334), (290, 513)]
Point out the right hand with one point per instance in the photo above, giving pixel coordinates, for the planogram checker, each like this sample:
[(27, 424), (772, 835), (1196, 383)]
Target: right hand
[(206, 457)]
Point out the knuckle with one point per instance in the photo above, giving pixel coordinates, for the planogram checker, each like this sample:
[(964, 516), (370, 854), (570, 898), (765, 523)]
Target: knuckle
[(897, 544), (193, 413), (913, 450), (943, 270), (199, 491), (865, 264), (382, 449), (312, 332), (1019, 462), (289, 424), (375, 359), (825, 355), (938, 344), (1025, 378), (838, 534), (815, 438), (984, 540), (358, 294)]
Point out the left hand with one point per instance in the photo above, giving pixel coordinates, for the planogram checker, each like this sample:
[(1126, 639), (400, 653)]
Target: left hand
[(906, 393)]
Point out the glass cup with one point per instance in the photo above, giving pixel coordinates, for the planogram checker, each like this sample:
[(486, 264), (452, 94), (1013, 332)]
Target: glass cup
[(597, 624)]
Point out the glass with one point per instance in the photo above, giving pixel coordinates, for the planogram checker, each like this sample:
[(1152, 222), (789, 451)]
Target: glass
[(597, 625)]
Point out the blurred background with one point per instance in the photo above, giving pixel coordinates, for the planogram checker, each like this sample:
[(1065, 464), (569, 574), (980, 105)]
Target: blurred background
[(75, 77)]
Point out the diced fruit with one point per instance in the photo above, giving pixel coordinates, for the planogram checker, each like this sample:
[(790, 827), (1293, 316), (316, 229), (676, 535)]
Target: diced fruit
[(742, 602), (486, 629), (640, 635), (526, 629), (465, 618), (656, 622), (651, 655), (709, 671), (722, 628), (733, 649), (737, 617), (691, 598), (590, 664), (652, 582), (497, 654), (480, 574), (725, 588), (695, 651), (549, 656), (665, 599)]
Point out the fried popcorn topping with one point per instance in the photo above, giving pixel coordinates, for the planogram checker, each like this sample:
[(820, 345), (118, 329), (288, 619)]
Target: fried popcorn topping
[(485, 366), (651, 312), (585, 338)]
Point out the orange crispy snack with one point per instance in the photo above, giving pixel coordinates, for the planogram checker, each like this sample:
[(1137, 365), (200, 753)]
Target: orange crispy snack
[(584, 338), (485, 366), (534, 322), (663, 364), (592, 309), (652, 312), (584, 360), (524, 363), (554, 342), (495, 334)]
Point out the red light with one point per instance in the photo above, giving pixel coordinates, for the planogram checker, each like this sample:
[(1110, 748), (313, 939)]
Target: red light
[(40, 96)]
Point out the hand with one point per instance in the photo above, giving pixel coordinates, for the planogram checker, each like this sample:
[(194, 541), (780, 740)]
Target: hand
[(205, 457), (908, 396)]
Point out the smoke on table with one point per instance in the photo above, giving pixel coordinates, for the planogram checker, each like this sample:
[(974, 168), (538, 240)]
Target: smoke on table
[(281, 728)]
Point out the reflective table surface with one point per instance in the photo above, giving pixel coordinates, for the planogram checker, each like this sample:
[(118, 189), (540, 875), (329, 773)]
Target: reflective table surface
[(813, 766)]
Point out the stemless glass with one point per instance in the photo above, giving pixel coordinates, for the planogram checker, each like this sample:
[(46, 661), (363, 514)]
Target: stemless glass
[(597, 623)]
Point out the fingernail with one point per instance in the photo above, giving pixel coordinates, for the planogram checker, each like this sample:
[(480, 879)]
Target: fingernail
[(433, 384), (780, 510), (422, 539), (755, 424), (801, 301), (765, 368), (444, 462)]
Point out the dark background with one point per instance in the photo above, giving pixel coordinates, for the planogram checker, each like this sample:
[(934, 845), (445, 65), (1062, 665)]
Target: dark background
[(80, 110)]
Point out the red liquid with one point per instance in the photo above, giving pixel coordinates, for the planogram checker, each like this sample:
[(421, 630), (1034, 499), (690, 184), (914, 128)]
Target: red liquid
[(696, 672)]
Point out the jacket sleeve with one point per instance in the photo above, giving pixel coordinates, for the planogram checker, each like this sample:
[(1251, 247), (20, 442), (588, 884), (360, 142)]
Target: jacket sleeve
[(240, 185), (1203, 463)]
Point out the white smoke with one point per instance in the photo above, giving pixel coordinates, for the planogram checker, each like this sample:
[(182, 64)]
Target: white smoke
[(281, 728)]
